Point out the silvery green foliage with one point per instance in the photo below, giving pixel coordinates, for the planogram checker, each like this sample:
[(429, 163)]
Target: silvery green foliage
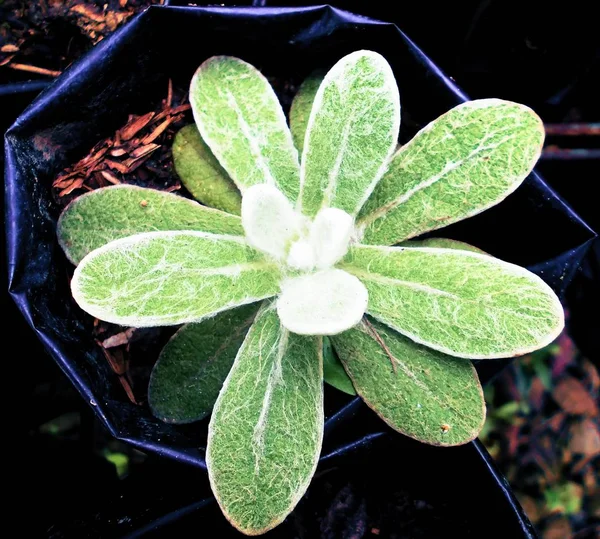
[(306, 262)]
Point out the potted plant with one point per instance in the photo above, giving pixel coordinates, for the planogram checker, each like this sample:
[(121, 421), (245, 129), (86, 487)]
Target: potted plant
[(42, 144)]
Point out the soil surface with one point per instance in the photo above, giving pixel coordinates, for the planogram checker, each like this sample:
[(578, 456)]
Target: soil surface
[(40, 39)]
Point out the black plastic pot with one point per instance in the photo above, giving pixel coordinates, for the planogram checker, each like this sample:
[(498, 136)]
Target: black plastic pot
[(127, 73), (392, 485)]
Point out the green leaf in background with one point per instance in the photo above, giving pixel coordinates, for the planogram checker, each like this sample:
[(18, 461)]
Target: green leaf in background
[(169, 278), (459, 165), (351, 134), (417, 391), (193, 365), (333, 370), (266, 429), (443, 243), (301, 107), (202, 174), (241, 120), (110, 213), (461, 303), (119, 460), (565, 498)]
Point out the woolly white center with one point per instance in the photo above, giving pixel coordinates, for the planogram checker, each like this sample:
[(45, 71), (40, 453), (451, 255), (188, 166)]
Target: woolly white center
[(323, 300)]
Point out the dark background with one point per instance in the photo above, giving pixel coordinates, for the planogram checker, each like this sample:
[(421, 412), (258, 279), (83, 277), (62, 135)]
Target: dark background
[(543, 54)]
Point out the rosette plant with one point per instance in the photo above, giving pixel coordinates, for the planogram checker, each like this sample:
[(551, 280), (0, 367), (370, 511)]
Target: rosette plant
[(320, 252)]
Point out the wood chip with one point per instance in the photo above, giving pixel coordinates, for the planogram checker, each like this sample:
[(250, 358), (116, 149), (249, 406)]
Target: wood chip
[(144, 150), (135, 126), (63, 181), (115, 359), (7, 60), (110, 177), (119, 339), (75, 184), (157, 131), (115, 165), (89, 13), (34, 69), (9, 47), (127, 387), (172, 112), (169, 94)]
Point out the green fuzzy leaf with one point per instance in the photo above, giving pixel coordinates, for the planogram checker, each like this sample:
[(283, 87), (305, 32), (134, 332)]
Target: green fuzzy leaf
[(193, 365), (417, 391), (301, 107), (333, 370), (169, 278), (461, 303), (352, 132), (461, 164), (444, 243), (202, 174), (111, 213), (241, 120), (266, 429)]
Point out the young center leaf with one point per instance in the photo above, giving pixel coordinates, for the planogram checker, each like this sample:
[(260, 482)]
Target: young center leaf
[(461, 303), (333, 370), (351, 134), (266, 429), (168, 278), (241, 120), (322, 303), (462, 163), (202, 174), (330, 236), (269, 220), (193, 365), (417, 391), (301, 107), (110, 213)]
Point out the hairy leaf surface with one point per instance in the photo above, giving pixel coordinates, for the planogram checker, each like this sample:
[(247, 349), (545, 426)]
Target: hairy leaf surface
[(110, 213), (169, 278), (458, 302), (462, 163), (202, 174), (352, 132), (193, 365), (420, 392), (266, 429), (241, 120), (301, 107)]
